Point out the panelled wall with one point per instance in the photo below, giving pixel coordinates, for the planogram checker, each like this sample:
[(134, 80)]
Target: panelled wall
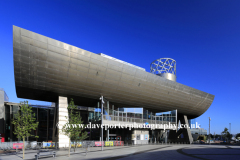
[(46, 68)]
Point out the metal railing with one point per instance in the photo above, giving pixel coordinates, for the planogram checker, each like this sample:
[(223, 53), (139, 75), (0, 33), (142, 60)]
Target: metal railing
[(137, 120), (11, 146)]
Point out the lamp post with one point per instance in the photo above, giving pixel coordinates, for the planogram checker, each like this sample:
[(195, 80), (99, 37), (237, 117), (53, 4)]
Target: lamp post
[(102, 102), (209, 130)]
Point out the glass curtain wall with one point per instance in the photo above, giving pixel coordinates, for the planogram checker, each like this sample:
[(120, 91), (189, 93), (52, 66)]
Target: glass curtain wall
[(44, 115)]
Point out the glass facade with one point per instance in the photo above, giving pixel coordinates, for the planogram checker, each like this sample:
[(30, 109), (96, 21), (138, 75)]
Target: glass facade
[(44, 115)]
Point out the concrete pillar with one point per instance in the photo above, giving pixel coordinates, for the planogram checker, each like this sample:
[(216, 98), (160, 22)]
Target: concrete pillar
[(63, 113)]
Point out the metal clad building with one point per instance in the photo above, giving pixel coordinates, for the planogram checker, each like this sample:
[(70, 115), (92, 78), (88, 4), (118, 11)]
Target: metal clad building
[(45, 69)]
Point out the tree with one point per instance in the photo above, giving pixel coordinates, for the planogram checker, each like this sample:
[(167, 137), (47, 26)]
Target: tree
[(226, 134), (211, 136), (238, 136), (217, 136), (24, 122), (202, 137), (74, 128)]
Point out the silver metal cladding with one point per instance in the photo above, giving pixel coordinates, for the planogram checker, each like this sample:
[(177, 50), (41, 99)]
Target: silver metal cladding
[(45, 68)]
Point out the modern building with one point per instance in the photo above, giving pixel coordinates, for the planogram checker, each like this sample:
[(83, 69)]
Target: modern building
[(49, 70), (3, 98)]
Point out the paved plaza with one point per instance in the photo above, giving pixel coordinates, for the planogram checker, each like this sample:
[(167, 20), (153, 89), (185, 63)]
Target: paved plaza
[(144, 152)]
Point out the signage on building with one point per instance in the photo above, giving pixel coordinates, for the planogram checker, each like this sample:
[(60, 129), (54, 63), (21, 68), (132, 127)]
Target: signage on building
[(146, 137)]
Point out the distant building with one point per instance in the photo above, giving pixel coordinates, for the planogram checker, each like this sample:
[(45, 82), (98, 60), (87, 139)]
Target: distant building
[(200, 131)]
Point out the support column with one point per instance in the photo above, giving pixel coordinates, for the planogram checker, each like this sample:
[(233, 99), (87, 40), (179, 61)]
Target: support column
[(185, 131), (102, 141), (188, 130), (63, 113)]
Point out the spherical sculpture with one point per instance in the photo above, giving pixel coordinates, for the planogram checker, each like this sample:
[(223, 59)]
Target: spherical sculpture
[(164, 67)]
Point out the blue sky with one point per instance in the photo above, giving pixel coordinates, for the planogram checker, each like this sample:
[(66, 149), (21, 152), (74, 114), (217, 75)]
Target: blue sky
[(202, 36)]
